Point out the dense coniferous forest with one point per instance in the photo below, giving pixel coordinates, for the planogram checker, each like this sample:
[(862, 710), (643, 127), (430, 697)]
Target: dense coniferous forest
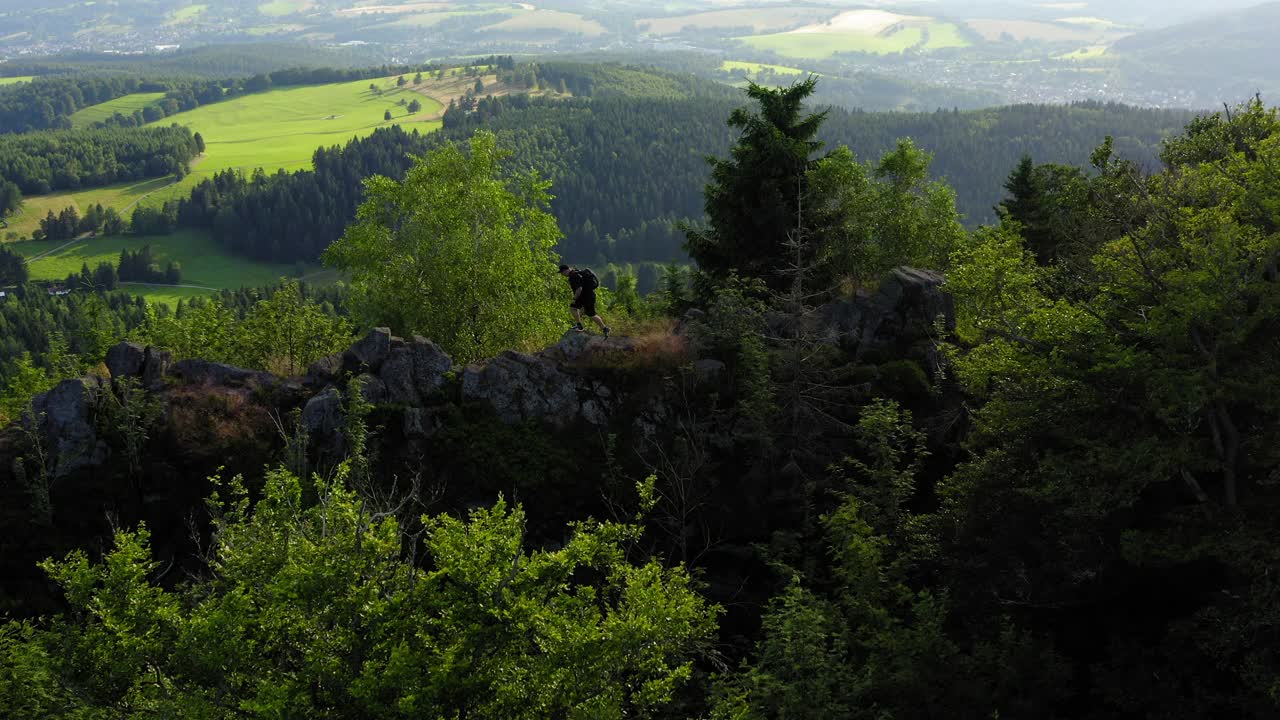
[(625, 170), (42, 162), (48, 102)]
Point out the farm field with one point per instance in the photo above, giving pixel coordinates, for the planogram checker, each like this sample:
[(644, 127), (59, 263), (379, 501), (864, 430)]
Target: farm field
[(281, 129), (1023, 30), (126, 105), (543, 21), (187, 13), (760, 20), (867, 31), (815, 46), (119, 196), (14, 80), (754, 68), (205, 265)]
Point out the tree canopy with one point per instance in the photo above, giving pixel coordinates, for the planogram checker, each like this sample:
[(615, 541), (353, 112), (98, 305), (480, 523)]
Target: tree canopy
[(459, 251)]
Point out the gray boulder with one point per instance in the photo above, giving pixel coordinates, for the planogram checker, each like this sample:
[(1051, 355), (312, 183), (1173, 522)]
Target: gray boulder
[(430, 364), (372, 389), (580, 348), (707, 370), (369, 353), (519, 386), (155, 366), (325, 370), (398, 377), (322, 415), (63, 419), (421, 423), (125, 360), (203, 372)]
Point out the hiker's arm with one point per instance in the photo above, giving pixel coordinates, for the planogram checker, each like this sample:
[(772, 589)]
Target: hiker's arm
[(576, 293)]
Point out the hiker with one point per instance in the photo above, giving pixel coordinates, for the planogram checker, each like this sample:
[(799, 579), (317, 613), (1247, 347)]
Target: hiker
[(583, 283)]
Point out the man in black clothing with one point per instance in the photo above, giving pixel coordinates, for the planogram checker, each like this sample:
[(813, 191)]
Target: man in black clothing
[(584, 299)]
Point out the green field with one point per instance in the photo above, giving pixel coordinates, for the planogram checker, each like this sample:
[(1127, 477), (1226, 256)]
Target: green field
[(533, 21), (281, 129), (205, 264), (277, 8), (13, 80), (187, 13), (126, 105), (1085, 53), (819, 45), (754, 68), (815, 46), (119, 196), (945, 35)]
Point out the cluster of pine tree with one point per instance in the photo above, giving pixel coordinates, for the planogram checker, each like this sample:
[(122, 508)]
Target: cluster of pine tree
[(141, 266), (41, 162), (69, 224)]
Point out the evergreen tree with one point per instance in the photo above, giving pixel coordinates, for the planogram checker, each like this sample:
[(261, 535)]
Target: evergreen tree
[(753, 199)]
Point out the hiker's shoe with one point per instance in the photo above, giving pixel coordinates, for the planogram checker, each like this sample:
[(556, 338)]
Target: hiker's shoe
[(579, 327), (606, 332)]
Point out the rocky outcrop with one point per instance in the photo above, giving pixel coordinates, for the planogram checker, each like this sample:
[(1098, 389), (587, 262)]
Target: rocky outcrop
[(582, 379), (125, 360), (519, 386), (430, 366), (63, 421), (369, 353), (322, 415), (553, 386), (900, 313), (203, 372)]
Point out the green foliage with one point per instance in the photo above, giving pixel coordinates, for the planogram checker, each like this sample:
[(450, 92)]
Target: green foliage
[(753, 201), (286, 332), (872, 219), (282, 333), (456, 252), (25, 381), (313, 611), (1133, 393)]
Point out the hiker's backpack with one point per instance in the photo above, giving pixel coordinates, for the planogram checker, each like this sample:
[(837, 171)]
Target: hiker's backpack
[(589, 279)]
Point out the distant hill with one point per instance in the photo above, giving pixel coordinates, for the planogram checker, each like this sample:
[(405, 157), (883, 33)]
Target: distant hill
[(1227, 56)]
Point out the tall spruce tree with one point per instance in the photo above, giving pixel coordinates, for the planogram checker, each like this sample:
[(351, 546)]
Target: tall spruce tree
[(752, 200)]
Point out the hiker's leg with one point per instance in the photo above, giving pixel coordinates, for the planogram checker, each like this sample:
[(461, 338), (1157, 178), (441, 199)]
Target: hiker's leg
[(599, 321), (577, 314)]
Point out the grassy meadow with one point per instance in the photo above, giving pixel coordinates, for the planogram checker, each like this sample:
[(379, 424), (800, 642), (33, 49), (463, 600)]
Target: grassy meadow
[(15, 80), (206, 266), (866, 31), (126, 105), (275, 130), (121, 196), (754, 68)]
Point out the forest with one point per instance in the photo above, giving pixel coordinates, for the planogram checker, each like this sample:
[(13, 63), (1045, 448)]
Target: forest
[(42, 162), (626, 169), (859, 460)]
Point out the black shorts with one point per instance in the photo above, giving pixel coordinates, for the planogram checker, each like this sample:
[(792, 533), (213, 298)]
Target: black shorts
[(587, 303)]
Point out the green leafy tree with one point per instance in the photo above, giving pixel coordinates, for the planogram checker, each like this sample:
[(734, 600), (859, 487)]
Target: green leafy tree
[(868, 219), (286, 332), (1133, 399), (313, 610), (458, 252), (387, 116), (415, 107)]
